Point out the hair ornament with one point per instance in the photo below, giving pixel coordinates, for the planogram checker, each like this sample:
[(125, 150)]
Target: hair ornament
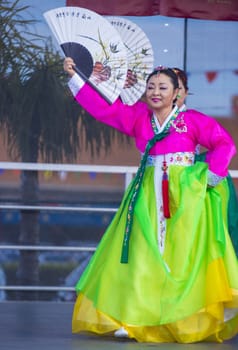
[(176, 71), (159, 68)]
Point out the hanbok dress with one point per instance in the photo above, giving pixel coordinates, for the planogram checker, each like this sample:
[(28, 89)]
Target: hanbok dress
[(179, 279), (232, 208)]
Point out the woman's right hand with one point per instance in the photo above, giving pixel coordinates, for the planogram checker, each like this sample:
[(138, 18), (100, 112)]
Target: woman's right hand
[(68, 66)]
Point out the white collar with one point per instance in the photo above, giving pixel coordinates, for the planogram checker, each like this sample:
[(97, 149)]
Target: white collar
[(183, 108), (161, 128)]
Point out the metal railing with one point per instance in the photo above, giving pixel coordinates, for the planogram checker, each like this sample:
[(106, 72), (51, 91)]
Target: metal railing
[(127, 171)]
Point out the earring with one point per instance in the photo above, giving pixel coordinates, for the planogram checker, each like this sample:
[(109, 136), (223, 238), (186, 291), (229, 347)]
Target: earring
[(178, 96)]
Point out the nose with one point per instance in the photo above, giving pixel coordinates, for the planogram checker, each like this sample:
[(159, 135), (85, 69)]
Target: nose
[(156, 90)]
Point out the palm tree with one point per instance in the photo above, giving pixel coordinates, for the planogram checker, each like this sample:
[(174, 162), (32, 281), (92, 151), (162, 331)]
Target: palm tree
[(40, 119), (42, 122)]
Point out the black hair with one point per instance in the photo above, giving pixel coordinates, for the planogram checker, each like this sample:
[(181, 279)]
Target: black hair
[(167, 71), (182, 76)]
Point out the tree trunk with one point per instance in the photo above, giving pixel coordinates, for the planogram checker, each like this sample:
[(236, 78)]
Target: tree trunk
[(28, 270)]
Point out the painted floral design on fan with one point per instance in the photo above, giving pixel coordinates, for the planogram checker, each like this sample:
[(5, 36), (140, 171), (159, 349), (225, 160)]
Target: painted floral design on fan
[(140, 58), (100, 73), (131, 79), (137, 68), (102, 69)]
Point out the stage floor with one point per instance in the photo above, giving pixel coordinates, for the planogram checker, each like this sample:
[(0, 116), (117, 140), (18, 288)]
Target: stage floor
[(47, 326)]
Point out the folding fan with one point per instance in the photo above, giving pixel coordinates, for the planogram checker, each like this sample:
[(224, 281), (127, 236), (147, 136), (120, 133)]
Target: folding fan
[(94, 44), (140, 58)]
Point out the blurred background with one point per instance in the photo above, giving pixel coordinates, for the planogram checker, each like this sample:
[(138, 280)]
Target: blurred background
[(36, 127)]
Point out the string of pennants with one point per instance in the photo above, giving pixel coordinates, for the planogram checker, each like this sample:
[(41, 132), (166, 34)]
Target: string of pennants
[(212, 75)]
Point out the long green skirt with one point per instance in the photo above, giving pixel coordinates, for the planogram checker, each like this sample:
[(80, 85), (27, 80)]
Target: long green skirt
[(188, 293)]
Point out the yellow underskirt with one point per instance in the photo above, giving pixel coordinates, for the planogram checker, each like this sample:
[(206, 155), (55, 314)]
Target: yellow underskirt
[(205, 325)]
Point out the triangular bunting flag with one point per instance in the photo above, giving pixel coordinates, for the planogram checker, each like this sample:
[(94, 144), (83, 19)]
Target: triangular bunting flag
[(211, 76)]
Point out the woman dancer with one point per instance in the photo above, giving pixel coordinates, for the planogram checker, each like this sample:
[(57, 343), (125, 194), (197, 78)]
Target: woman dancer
[(165, 269)]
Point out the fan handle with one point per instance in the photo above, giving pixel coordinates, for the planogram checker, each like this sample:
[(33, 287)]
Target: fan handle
[(83, 76)]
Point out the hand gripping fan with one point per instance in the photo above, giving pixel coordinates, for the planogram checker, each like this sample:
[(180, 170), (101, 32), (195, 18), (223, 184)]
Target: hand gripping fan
[(95, 46), (140, 58)]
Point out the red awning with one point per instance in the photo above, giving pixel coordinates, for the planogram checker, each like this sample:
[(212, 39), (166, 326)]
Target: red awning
[(198, 9)]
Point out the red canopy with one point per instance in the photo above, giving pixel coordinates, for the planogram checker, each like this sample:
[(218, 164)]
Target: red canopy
[(200, 9)]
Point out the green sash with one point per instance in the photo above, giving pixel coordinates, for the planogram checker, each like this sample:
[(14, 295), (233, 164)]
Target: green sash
[(136, 184), (232, 210)]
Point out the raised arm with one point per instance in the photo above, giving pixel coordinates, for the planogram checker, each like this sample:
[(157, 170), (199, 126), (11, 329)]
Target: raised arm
[(118, 115)]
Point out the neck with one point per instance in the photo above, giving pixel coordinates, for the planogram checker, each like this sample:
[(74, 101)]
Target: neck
[(162, 115)]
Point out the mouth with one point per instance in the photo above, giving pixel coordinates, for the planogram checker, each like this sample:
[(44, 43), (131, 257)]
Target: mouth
[(155, 100)]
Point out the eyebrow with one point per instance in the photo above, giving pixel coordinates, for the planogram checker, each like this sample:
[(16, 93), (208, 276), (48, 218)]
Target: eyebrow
[(151, 83)]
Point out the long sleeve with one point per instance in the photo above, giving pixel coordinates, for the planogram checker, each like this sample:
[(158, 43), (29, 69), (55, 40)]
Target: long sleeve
[(220, 145), (118, 115), (135, 121)]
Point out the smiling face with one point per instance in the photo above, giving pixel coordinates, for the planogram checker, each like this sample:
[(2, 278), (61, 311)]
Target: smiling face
[(183, 86), (160, 92), (182, 94)]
